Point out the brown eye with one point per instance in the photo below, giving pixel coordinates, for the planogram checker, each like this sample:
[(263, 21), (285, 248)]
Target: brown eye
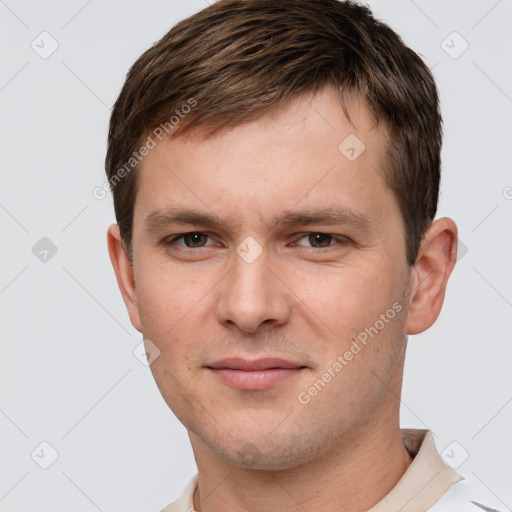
[(319, 239), (195, 239)]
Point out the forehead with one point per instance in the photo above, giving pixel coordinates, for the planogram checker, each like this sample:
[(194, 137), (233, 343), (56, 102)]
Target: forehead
[(306, 151)]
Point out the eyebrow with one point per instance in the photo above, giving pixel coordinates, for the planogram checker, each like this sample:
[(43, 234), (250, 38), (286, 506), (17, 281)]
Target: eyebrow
[(162, 218), (328, 216)]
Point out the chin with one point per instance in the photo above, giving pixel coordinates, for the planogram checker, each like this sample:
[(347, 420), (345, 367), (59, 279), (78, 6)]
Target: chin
[(282, 451), (251, 456)]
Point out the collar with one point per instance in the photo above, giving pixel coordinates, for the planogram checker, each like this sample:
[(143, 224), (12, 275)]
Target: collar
[(426, 480)]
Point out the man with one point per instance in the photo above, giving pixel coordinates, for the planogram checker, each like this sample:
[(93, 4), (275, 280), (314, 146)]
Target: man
[(275, 172)]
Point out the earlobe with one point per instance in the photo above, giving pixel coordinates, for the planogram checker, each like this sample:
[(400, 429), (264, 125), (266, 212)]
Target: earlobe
[(124, 273), (434, 264)]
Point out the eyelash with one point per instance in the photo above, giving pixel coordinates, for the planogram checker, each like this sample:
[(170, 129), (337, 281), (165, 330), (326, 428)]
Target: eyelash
[(342, 240)]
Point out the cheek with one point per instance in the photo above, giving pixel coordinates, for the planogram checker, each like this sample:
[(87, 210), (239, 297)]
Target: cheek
[(364, 311), (175, 309), (165, 295), (170, 309), (348, 298)]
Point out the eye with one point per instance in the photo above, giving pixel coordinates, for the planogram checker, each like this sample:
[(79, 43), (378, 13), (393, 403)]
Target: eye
[(320, 240), (191, 240)]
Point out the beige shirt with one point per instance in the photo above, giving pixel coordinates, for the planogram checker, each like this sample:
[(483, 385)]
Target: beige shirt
[(426, 480)]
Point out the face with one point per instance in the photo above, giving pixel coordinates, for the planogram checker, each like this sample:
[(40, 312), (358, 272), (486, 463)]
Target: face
[(272, 241)]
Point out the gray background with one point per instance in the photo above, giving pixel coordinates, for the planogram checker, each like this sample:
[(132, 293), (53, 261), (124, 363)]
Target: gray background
[(69, 374)]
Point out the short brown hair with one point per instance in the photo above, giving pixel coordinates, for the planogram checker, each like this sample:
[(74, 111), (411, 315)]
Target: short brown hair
[(239, 59)]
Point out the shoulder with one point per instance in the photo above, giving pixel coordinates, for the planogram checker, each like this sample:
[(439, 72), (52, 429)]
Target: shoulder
[(177, 507), (185, 501), (468, 496)]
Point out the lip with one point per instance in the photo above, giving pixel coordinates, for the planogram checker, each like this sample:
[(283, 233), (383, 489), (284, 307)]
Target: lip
[(238, 363), (254, 375)]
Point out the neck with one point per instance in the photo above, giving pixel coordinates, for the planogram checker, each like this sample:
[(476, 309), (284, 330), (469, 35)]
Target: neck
[(359, 471)]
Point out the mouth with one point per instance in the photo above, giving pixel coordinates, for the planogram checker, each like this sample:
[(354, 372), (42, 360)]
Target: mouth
[(254, 375)]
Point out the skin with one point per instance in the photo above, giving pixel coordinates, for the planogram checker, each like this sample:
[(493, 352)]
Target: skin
[(265, 450)]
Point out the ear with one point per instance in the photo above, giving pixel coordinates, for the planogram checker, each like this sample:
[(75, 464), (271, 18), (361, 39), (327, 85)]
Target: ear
[(124, 273), (434, 264)]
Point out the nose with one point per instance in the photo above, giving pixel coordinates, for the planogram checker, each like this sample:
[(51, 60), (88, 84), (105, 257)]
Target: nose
[(252, 295)]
